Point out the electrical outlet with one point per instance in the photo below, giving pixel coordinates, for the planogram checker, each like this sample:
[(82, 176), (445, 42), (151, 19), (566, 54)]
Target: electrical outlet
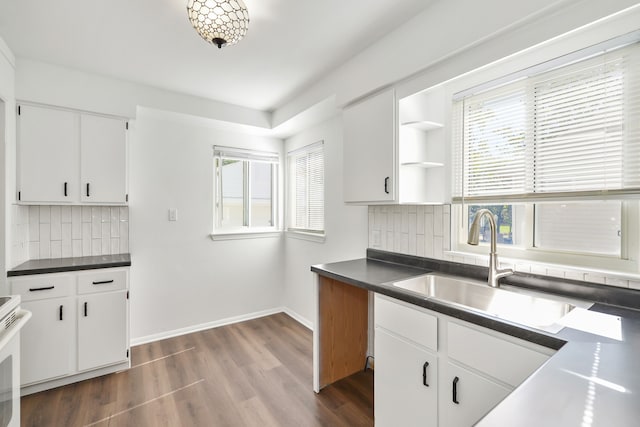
[(173, 214)]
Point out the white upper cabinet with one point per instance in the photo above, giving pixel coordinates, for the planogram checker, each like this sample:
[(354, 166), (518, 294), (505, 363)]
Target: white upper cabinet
[(395, 150), (65, 156), (102, 159), (369, 149), (48, 167)]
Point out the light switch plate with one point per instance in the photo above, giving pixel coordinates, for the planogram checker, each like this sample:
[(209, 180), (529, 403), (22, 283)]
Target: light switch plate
[(173, 214)]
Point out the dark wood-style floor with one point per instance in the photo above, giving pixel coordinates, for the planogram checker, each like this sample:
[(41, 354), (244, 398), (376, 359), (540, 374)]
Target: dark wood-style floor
[(254, 373)]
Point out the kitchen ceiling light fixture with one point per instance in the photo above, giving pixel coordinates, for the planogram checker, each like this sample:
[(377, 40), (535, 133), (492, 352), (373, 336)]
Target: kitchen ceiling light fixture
[(219, 22)]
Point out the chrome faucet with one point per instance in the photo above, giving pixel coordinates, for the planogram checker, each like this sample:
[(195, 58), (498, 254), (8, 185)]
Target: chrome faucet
[(474, 237)]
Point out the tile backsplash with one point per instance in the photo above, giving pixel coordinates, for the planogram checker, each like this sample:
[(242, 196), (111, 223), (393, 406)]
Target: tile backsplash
[(426, 231), (69, 231), (408, 229)]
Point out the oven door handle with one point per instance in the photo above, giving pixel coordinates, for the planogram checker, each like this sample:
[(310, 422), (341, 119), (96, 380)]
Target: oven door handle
[(22, 317)]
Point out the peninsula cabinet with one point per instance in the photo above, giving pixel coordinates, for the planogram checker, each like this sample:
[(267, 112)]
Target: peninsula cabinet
[(432, 370), (79, 327), (67, 156)]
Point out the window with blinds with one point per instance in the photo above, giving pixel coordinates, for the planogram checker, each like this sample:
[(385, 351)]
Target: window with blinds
[(306, 189), (554, 152), (245, 190), (569, 133)]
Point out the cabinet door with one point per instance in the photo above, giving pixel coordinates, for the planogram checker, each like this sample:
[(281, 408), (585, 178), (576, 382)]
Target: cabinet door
[(475, 396), (369, 149), (102, 329), (47, 155), (103, 159), (47, 340), (401, 397)]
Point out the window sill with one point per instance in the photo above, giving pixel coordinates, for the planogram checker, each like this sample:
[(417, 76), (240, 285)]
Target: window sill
[(310, 237), (240, 235)]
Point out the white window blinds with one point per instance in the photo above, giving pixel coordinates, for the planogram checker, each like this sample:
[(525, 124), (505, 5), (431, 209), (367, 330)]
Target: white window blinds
[(306, 188), (570, 132)]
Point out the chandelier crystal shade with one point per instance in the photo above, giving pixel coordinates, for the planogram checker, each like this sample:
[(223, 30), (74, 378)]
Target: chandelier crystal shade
[(219, 22)]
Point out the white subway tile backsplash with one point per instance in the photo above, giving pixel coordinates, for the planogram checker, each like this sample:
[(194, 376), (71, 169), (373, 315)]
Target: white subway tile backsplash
[(34, 250), (67, 249), (124, 244), (56, 249), (621, 283), (45, 249), (96, 247), (438, 251), (66, 233), (420, 245), (76, 248), (45, 214), (45, 232), (86, 213), (65, 214), (438, 229), (41, 232), (96, 226)]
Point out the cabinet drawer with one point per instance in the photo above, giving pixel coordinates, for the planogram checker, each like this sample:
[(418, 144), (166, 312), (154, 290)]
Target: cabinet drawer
[(407, 322), (507, 361), (42, 286), (102, 281)]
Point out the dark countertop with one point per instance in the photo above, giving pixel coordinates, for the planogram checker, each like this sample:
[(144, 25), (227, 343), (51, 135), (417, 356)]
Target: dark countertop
[(58, 265), (591, 380)]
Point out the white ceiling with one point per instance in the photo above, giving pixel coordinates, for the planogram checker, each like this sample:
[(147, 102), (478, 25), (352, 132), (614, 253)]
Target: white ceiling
[(290, 43)]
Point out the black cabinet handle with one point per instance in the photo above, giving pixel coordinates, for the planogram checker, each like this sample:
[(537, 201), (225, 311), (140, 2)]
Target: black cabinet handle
[(102, 282), (65, 189), (386, 185), (46, 288), (424, 374), (85, 309), (455, 390), (87, 189), (60, 315)]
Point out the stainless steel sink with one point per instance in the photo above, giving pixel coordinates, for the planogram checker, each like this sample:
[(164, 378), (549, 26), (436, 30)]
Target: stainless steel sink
[(509, 303)]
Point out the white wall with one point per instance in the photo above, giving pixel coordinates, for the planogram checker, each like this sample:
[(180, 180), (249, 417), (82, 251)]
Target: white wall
[(447, 39), (179, 276), (55, 85), (7, 154), (345, 226)]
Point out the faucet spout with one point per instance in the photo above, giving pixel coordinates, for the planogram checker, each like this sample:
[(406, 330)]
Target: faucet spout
[(473, 239)]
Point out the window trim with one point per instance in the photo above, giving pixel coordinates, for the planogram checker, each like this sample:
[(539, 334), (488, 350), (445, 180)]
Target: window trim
[(297, 232), (249, 155), (630, 244)]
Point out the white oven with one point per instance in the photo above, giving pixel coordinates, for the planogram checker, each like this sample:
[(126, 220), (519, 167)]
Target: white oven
[(12, 319)]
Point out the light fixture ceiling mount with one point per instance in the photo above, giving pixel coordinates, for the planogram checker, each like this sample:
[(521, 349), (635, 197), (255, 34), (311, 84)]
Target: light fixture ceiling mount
[(219, 22)]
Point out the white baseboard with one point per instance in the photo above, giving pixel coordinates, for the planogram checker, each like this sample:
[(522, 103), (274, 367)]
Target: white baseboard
[(201, 327), (298, 318), (222, 322)]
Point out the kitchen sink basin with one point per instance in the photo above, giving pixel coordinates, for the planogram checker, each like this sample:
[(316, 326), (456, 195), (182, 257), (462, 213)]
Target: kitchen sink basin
[(509, 303)]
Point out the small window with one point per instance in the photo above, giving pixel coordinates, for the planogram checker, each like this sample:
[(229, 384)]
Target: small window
[(306, 189), (245, 190)]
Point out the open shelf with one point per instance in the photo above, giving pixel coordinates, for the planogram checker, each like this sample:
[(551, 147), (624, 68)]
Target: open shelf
[(423, 164), (424, 125)]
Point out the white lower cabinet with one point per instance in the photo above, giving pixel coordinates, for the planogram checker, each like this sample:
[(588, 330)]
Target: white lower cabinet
[(101, 322), (467, 396), (406, 383), (79, 326), (47, 340), (470, 369)]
